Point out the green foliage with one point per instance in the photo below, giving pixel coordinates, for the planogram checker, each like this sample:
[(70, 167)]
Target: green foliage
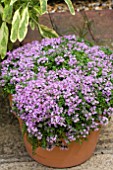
[(89, 43), (107, 51), (61, 101), (32, 25), (43, 6), (16, 16), (9, 89), (46, 32), (24, 128), (71, 8), (15, 26), (12, 2), (1, 9), (81, 57), (33, 141), (23, 25), (4, 32), (7, 13)]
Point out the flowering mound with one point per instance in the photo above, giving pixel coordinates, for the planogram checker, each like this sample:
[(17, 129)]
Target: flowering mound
[(63, 89)]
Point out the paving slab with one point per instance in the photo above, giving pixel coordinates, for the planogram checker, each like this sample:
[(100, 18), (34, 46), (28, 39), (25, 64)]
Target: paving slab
[(96, 24), (97, 162)]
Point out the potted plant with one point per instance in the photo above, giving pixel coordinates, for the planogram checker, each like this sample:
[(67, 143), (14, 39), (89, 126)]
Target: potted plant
[(62, 94)]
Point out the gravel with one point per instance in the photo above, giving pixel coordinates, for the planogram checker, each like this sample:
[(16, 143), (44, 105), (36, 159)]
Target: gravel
[(79, 5)]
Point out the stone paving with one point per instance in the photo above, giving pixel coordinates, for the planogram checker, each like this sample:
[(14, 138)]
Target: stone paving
[(13, 155)]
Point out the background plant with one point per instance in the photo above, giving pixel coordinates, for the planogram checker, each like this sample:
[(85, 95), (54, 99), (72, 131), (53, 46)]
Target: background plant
[(16, 16)]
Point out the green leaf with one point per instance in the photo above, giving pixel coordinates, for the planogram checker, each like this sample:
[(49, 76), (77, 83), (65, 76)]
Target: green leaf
[(33, 141), (47, 32), (106, 50), (12, 2), (32, 25), (38, 11), (23, 26), (7, 13), (4, 33), (43, 5), (61, 101), (5, 1), (24, 129), (15, 26), (1, 9), (70, 5)]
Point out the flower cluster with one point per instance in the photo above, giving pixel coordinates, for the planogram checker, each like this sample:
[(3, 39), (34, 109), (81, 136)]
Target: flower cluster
[(62, 89)]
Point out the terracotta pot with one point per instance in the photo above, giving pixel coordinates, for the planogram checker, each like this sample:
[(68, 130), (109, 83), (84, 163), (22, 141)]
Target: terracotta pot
[(75, 155)]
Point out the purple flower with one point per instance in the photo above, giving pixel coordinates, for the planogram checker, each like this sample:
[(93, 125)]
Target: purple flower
[(62, 88)]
